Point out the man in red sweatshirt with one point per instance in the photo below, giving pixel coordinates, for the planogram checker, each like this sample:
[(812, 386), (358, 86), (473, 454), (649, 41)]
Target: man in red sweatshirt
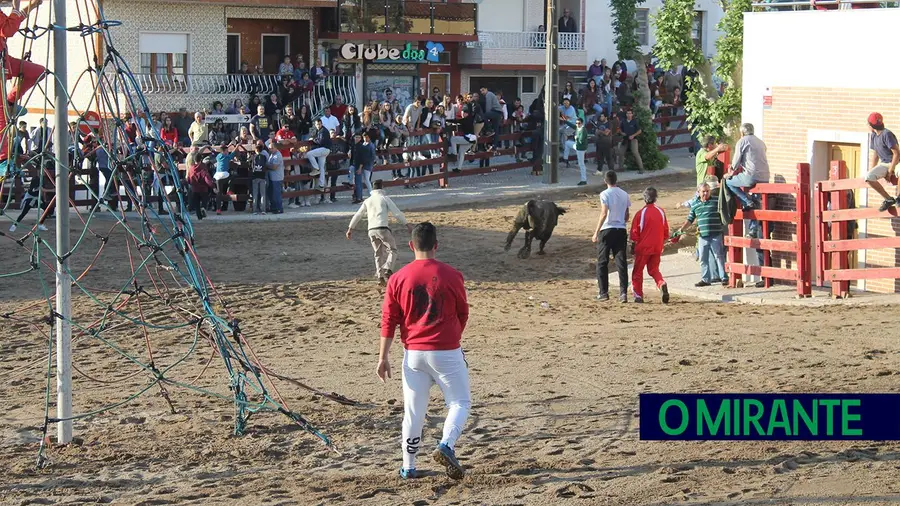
[(427, 300), (649, 231), (14, 68)]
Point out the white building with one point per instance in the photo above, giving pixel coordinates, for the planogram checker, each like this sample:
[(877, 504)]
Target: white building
[(599, 40)]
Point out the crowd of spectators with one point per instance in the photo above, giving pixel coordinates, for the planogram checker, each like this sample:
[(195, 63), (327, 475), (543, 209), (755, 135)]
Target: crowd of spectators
[(270, 139)]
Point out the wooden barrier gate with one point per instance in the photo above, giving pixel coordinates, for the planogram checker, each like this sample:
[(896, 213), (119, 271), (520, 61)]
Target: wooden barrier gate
[(833, 242), (735, 241)]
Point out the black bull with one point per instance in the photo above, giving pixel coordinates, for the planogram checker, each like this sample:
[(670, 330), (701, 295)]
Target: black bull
[(538, 218)]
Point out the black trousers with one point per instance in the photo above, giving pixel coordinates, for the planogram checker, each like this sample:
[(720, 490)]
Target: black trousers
[(613, 241), (199, 201), (605, 155)]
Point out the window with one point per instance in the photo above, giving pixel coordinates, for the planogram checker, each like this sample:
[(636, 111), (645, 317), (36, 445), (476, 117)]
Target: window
[(527, 85), (642, 30), (164, 54), (508, 85), (697, 29), (443, 59)]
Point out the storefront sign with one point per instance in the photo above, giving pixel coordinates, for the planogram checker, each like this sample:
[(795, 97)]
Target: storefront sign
[(767, 99), (409, 54), (227, 118)]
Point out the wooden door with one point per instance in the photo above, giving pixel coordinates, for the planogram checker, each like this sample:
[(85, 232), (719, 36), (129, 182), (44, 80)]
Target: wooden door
[(850, 154), (440, 81)]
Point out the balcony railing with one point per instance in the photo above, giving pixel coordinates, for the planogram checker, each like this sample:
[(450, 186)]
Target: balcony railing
[(323, 93), (795, 5), (407, 17), (526, 40)]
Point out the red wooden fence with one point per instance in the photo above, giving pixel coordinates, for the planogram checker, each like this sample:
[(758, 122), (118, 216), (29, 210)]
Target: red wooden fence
[(800, 247), (832, 215)]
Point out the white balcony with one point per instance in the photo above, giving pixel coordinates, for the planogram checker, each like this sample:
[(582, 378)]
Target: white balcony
[(522, 48)]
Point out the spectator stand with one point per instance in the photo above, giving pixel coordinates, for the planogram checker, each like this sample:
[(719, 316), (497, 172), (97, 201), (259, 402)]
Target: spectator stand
[(799, 245), (834, 242)]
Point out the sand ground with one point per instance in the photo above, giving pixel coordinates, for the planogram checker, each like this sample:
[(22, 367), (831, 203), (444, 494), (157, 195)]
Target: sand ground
[(555, 385)]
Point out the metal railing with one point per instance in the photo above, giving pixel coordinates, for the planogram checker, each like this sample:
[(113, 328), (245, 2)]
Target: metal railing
[(164, 84), (322, 94), (526, 40), (794, 5)]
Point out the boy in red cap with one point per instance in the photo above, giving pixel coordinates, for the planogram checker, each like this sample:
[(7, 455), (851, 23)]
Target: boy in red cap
[(30, 73), (649, 231), (884, 154)]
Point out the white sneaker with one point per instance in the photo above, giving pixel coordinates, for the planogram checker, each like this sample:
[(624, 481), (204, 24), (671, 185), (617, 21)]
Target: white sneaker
[(293, 206), (42, 228), (12, 228)]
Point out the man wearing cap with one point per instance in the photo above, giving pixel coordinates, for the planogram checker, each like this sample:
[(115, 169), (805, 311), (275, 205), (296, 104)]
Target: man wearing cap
[(884, 154)]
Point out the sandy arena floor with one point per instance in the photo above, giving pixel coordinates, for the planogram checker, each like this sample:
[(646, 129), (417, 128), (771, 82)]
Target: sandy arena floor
[(555, 388)]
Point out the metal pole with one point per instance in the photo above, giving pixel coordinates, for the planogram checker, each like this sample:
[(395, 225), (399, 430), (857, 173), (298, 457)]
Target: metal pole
[(551, 99), (63, 279)]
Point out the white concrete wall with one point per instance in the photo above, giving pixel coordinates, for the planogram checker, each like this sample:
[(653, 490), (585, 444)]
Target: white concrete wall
[(502, 15), (815, 49), (599, 36), (42, 53)]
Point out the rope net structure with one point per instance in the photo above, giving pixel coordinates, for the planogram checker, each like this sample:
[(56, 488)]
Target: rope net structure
[(168, 291)]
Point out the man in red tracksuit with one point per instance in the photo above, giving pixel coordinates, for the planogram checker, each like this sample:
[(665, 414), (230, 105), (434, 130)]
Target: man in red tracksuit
[(649, 231), (30, 73)]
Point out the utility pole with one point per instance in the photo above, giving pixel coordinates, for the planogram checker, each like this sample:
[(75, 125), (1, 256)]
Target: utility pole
[(551, 99), (63, 279)]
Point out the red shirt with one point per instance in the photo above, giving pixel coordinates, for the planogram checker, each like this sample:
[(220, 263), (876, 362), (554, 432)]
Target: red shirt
[(9, 26), (427, 300), (169, 136), (649, 230), (338, 110), (284, 134)]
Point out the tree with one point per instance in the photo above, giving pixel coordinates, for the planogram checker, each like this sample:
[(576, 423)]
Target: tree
[(707, 112), (624, 26)]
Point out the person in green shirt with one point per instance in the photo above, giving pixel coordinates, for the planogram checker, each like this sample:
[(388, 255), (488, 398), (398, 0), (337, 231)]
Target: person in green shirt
[(580, 144), (710, 236), (706, 158)]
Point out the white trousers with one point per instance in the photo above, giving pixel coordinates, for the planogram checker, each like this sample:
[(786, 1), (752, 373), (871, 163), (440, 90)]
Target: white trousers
[(421, 369), (458, 146), (317, 158)]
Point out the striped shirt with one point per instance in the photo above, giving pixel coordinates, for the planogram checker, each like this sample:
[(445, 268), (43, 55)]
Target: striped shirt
[(707, 217)]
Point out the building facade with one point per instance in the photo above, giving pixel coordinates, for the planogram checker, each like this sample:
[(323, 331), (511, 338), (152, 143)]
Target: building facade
[(187, 53), (807, 108), (599, 37)]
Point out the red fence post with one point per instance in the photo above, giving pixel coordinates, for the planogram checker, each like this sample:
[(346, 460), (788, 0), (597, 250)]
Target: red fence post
[(819, 210), (444, 182), (839, 259), (804, 246)]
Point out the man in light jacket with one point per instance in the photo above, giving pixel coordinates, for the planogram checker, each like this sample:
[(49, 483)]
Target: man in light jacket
[(493, 113), (378, 208)]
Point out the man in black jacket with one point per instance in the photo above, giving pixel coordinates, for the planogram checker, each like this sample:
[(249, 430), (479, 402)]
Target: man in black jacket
[(318, 153), (567, 23)]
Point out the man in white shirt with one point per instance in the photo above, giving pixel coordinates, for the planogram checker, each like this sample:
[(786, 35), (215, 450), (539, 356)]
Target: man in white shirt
[(611, 236), (378, 208), (330, 122)]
